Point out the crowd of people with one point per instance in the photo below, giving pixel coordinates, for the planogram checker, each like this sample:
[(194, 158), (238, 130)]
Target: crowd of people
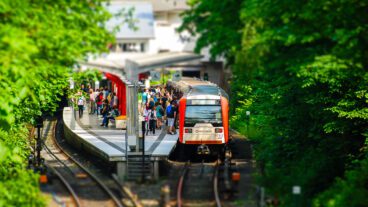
[(158, 108), (100, 101)]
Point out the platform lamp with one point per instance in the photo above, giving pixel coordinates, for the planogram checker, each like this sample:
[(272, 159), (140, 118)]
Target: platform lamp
[(38, 125), (143, 150), (40, 167)]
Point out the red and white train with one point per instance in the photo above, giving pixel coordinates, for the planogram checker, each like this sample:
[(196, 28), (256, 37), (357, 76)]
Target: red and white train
[(203, 116)]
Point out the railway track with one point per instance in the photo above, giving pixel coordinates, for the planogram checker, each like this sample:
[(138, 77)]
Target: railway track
[(198, 185), (85, 188)]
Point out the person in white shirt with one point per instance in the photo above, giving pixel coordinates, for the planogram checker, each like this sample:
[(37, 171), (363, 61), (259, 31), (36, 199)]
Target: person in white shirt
[(80, 102)]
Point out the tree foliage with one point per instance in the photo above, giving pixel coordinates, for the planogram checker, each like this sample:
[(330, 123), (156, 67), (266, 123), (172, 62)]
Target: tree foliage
[(218, 25), (86, 77), (301, 69), (40, 41), (307, 64)]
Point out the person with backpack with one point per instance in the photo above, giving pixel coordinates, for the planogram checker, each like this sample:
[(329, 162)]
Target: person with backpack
[(151, 103), (152, 120), (80, 102), (171, 112), (163, 101), (159, 113)]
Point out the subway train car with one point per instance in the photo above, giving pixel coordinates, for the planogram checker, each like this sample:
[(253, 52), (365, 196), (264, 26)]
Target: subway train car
[(203, 117)]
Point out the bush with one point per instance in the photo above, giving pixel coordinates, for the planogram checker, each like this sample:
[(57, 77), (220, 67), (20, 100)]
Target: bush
[(349, 191), (18, 186)]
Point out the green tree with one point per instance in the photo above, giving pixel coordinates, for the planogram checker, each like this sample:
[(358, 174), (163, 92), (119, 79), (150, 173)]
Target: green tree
[(306, 64), (301, 69), (218, 25), (40, 42)]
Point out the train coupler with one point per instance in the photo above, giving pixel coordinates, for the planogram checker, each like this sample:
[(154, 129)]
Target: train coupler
[(203, 150)]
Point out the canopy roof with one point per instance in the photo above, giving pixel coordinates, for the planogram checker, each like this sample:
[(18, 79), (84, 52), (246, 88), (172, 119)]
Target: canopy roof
[(138, 65), (131, 66)]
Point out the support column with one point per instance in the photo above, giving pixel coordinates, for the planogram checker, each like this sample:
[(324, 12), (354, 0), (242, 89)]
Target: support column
[(136, 116), (133, 116), (130, 117), (121, 170)]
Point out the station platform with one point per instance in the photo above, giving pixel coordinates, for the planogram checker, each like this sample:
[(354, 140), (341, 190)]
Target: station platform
[(109, 143)]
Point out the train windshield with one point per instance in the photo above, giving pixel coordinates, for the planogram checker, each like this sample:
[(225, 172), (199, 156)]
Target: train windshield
[(203, 114)]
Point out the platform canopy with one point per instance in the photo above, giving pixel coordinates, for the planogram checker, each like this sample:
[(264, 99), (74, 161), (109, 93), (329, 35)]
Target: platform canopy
[(130, 65), (142, 64)]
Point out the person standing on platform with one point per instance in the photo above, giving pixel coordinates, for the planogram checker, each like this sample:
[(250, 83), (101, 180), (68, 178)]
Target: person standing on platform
[(105, 92), (95, 94), (163, 101), (89, 87), (84, 89), (115, 101), (151, 103), (152, 117), (105, 111), (159, 113), (92, 102), (99, 99), (171, 112), (81, 102), (158, 90), (146, 112), (109, 98), (144, 100)]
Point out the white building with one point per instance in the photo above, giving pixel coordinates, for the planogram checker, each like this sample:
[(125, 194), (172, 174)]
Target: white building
[(156, 23)]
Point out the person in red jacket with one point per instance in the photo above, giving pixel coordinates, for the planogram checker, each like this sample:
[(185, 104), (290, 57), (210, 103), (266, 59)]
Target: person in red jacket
[(99, 100)]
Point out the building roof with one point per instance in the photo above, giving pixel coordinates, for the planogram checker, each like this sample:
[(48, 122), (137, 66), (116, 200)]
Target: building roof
[(162, 5), (169, 5)]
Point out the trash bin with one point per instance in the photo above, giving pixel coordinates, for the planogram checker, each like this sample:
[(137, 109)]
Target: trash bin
[(121, 122)]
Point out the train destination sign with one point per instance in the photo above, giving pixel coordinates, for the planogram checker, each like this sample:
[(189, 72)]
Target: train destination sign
[(203, 102)]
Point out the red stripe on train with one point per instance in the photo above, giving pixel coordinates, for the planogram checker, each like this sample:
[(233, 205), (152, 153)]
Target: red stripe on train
[(204, 142), (182, 106)]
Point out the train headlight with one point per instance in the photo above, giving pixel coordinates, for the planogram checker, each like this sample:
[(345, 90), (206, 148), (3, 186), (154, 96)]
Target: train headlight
[(188, 130), (218, 130)]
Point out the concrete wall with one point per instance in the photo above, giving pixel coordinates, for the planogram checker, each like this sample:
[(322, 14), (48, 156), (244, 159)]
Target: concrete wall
[(214, 71)]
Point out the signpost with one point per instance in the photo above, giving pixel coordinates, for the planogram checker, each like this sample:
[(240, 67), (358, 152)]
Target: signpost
[(297, 190), (176, 76), (155, 76)]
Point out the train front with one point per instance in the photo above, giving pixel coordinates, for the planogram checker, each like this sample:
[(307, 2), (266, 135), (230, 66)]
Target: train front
[(204, 123)]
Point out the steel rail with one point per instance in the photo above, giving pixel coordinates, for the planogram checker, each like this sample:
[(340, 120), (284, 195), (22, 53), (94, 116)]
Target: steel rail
[(53, 155), (215, 186), (94, 177), (67, 185), (179, 190), (61, 178)]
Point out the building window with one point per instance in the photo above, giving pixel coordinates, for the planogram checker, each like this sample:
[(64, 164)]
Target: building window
[(128, 47)]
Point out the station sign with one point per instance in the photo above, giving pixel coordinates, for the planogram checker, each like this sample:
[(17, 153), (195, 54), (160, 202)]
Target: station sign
[(155, 76), (176, 76)]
